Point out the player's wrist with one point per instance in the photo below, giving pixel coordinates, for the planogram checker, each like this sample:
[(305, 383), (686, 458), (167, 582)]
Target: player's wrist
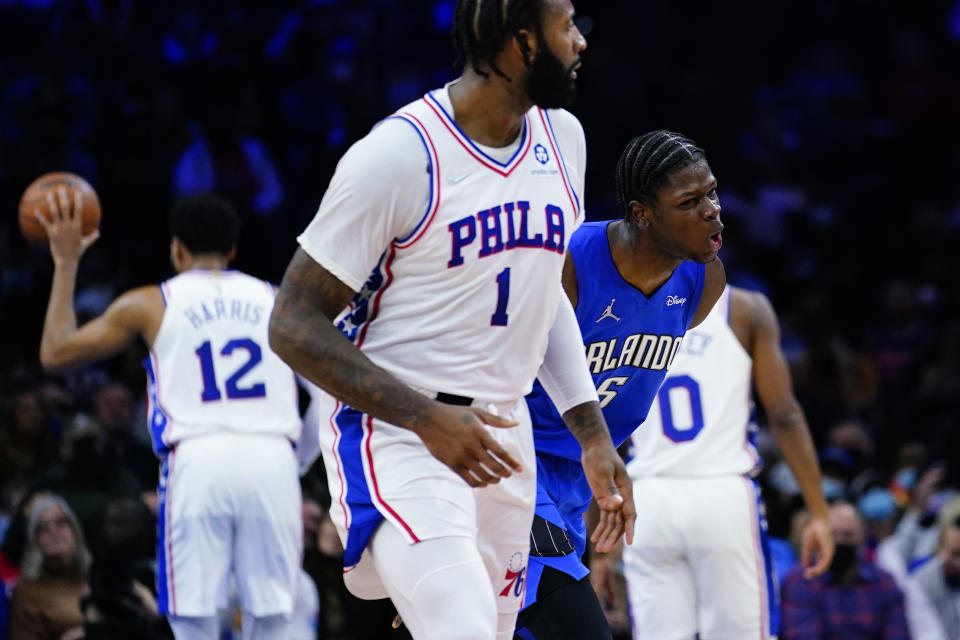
[(66, 264)]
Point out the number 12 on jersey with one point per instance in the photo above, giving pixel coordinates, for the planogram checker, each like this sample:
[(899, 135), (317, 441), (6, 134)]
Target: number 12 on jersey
[(211, 392)]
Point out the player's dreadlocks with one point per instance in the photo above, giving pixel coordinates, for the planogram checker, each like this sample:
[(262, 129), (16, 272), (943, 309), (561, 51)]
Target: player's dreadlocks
[(481, 28), (647, 163)]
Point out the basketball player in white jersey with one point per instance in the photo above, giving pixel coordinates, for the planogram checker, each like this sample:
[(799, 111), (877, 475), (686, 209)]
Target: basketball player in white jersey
[(222, 415), (430, 278), (699, 562)]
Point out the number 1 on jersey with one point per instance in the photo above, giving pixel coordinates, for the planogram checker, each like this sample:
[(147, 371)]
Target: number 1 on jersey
[(499, 317)]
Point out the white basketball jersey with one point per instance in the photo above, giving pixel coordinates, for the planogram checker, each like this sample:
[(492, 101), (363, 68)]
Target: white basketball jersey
[(700, 421), (211, 368), (464, 303)]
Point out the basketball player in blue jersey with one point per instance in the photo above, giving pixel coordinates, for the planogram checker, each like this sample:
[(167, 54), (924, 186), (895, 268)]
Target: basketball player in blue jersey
[(222, 415), (424, 297), (637, 285), (700, 563)]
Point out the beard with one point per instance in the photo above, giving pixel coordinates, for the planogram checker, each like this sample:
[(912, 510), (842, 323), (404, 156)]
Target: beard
[(549, 85)]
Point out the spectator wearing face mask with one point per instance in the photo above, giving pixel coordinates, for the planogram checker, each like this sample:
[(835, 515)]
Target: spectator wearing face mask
[(854, 599), (933, 590)]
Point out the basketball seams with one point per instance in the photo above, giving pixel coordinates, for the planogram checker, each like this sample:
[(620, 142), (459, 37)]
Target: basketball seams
[(35, 198)]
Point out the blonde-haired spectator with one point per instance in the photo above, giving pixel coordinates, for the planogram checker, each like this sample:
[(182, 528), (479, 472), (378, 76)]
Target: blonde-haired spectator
[(46, 601)]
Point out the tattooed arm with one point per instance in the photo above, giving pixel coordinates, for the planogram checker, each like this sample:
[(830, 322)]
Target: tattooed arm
[(302, 334), (606, 474)]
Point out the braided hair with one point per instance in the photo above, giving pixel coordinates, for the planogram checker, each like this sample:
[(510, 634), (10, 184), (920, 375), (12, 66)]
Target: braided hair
[(648, 161), (481, 29)]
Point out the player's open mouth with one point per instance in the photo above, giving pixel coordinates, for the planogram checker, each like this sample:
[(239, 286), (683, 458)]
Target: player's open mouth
[(717, 240)]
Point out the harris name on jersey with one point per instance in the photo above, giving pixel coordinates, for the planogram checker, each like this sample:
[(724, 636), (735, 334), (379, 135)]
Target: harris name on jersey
[(224, 309)]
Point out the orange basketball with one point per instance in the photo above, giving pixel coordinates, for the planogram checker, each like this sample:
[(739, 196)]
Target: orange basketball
[(35, 198)]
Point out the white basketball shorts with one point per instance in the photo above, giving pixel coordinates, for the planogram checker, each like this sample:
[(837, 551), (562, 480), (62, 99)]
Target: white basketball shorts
[(229, 504), (699, 562), (379, 472)]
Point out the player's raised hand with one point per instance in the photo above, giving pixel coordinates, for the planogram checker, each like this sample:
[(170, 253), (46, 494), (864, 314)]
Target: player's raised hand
[(816, 537), (613, 492), (456, 436), (65, 226)]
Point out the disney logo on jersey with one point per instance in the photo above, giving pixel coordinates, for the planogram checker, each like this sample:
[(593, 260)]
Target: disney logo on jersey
[(674, 300), (639, 350), (540, 153), (507, 227)]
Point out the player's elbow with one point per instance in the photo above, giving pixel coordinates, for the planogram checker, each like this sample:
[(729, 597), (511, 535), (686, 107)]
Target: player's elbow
[(786, 418), (281, 335), (53, 360)]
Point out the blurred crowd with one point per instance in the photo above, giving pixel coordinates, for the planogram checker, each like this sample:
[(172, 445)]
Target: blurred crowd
[(831, 127)]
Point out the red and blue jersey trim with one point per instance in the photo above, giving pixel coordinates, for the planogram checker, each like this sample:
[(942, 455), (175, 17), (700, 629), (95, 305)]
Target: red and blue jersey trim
[(433, 202), (166, 587), (502, 168), (165, 293), (336, 456), (551, 137), (366, 505), (158, 421)]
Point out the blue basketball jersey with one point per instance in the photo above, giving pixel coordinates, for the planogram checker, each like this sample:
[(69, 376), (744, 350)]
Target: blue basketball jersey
[(630, 340)]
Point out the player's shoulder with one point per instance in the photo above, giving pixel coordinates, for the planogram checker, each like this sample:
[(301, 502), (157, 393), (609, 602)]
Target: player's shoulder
[(147, 296), (589, 236), (751, 308), (393, 147), (565, 125), (138, 308)]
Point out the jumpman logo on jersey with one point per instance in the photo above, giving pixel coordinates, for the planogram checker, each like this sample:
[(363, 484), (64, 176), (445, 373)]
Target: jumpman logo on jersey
[(608, 312)]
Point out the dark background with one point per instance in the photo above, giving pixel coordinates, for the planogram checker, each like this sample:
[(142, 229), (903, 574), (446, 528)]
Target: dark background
[(832, 126)]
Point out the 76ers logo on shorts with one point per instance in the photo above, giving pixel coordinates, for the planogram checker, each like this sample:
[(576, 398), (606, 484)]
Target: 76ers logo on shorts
[(516, 574)]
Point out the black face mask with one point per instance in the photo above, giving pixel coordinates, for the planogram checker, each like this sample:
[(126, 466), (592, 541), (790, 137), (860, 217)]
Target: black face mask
[(845, 557), (549, 84)]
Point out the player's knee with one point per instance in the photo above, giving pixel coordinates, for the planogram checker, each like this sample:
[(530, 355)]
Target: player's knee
[(195, 627), (265, 627), (455, 612)]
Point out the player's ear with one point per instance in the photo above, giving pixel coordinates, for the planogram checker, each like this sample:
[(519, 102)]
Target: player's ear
[(231, 255), (524, 42), (640, 214), (178, 255)]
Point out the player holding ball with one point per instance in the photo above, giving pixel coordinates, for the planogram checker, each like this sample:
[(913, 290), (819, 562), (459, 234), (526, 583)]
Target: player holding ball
[(222, 412)]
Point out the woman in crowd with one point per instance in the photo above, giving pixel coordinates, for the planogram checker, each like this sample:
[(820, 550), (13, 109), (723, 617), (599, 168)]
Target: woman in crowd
[(46, 601)]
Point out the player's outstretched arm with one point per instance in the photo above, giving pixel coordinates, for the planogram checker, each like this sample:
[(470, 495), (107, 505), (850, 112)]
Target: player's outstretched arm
[(63, 344), (788, 425), (606, 474), (302, 334)]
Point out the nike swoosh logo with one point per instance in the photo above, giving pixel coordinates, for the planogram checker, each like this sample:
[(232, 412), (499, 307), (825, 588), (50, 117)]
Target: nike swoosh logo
[(455, 180)]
